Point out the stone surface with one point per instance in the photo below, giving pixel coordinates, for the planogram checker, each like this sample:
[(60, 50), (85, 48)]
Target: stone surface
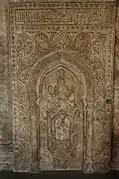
[(5, 119), (56, 89), (115, 153)]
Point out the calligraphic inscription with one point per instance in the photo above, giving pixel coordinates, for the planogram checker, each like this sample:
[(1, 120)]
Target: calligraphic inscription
[(61, 59)]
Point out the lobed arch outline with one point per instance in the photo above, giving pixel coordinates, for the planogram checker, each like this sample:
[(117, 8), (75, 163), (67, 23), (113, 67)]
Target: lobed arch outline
[(60, 63), (42, 77)]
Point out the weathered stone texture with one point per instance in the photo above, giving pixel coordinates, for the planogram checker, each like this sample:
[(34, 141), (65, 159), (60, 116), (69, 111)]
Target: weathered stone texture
[(56, 85), (5, 120), (61, 58), (115, 142)]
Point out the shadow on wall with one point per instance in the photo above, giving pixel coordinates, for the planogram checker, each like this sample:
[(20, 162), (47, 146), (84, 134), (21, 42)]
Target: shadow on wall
[(56, 175), (115, 149)]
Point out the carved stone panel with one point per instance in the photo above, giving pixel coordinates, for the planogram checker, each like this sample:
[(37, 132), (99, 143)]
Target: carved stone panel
[(61, 67)]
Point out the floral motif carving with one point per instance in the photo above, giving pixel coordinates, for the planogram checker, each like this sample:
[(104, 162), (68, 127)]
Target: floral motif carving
[(42, 42), (82, 42), (61, 40), (24, 45)]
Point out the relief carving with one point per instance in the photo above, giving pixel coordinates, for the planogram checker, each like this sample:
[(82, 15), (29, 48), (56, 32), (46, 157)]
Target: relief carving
[(63, 118), (61, 79)]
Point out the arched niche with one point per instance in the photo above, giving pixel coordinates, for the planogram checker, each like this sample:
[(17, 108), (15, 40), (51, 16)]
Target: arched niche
[(61, 102)]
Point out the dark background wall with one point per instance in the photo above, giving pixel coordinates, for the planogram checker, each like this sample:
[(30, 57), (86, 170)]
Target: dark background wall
[(59, 175)]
